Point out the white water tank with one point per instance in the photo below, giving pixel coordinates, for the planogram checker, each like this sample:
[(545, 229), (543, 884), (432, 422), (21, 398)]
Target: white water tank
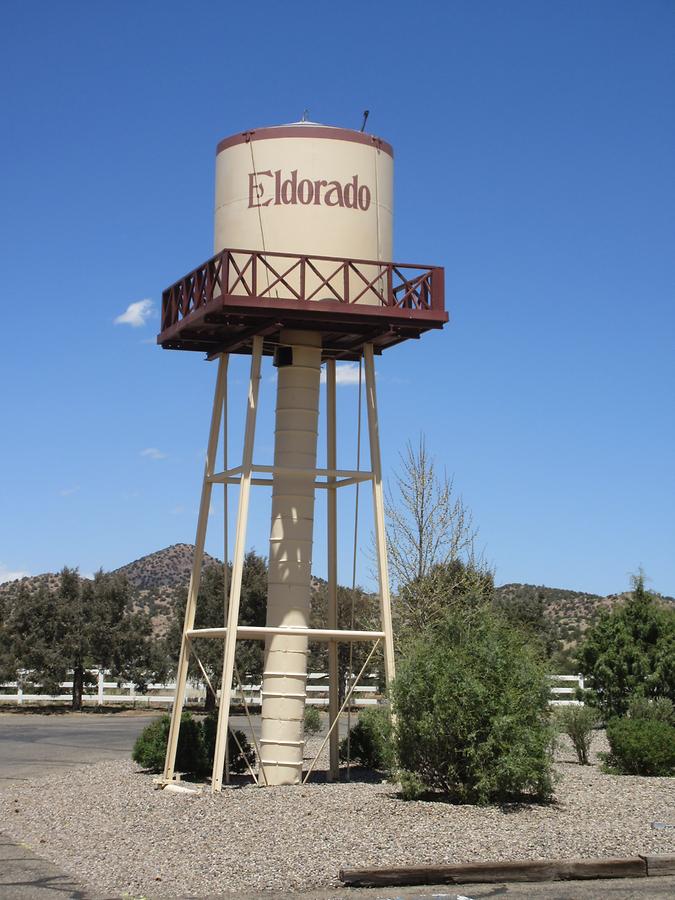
[(306, 189)]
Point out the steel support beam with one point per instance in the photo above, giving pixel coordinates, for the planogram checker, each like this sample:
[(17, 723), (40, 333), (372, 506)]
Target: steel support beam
[(195, 576)]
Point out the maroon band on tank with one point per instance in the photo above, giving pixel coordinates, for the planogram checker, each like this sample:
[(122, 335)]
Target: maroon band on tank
[(305, 131)]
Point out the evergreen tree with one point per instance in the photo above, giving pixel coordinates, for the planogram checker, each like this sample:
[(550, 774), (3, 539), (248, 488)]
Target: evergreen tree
[(527, 611), (77, 628), (630, 652)]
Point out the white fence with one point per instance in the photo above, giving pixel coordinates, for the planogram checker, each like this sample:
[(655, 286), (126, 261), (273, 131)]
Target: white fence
[(566, 693), (105, 692), (111, 692), (365, 694)]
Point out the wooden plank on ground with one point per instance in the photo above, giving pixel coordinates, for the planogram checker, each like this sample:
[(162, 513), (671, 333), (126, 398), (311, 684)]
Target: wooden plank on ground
[(479, 873), (660, 865)]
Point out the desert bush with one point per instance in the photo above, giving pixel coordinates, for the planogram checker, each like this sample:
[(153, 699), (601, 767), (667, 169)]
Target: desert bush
[(370, 740), (196, 746), (312, 720), (578, 723), (661, 709), (150, 748), (640, 747), (237, 759), (471, 701), (412, 787)]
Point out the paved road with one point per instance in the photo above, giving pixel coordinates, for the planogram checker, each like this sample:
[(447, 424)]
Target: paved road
[(33, 745)]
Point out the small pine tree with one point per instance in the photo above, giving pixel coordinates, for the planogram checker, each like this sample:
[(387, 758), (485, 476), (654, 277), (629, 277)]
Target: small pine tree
[(630, 651)]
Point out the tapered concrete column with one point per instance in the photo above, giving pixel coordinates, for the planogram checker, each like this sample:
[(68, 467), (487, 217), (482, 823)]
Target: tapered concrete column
[(290, 557)]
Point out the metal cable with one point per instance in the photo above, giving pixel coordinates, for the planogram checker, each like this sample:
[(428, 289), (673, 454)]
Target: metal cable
[(262, 231), (355, 546)]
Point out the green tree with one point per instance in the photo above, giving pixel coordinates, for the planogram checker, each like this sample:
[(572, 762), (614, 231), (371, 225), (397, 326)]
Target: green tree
[(471, 705), (75, 629), (630, 652), (211, 613), (526, 609)]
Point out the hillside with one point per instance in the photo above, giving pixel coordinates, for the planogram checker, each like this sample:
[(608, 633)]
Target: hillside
[(569, 612), (169, 567), (157, 577), (30, 583)]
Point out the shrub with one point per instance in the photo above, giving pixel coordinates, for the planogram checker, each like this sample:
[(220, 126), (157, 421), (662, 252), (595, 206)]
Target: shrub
[(370, 740), (150, 747), (661, 709), (640, 747), (196, 746), (237, 759), (312, 720), (578, 723), (412, 788), (471, 701)]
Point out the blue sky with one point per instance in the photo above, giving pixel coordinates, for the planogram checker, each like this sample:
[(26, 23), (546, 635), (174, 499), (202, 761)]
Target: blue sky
[(534, 160)]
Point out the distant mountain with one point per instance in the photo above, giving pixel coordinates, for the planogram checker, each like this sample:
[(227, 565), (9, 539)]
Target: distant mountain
[(569, 612), (170, 567), (157, 577), (565, 609), (155, 580), (31, 583)]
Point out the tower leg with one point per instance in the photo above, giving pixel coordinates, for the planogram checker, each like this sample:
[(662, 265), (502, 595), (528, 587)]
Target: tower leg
[(195, 576), (331, 504), (378, 504), (226, 554), (237, 568)]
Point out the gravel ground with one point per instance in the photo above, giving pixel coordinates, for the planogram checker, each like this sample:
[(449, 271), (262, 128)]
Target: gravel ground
[(105, 824)]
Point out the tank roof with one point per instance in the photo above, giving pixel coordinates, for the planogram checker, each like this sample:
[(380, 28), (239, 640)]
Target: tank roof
[(306, 130)]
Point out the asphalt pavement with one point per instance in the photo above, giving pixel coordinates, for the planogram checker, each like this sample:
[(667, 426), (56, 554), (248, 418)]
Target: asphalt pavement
[(33, 745)]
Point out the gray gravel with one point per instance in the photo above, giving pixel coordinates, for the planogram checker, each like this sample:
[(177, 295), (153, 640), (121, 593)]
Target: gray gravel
[(106, 825)]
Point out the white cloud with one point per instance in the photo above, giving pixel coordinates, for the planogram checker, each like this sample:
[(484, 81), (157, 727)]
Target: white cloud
[(153, 453), (345, 373), (136, 314), (7, 575), (66, 492)]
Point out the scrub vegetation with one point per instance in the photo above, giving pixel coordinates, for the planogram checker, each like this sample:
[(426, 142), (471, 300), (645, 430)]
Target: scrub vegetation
[(196, 747), (471, 705)]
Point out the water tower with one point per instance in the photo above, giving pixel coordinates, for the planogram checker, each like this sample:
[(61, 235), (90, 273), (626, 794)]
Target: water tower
[(302, 272)]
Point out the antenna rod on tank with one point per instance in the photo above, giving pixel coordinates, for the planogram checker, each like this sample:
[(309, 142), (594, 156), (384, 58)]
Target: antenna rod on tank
[(304, 115), (366, 113)]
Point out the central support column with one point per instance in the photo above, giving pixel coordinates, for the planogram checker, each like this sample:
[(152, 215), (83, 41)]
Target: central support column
[(290, 559)]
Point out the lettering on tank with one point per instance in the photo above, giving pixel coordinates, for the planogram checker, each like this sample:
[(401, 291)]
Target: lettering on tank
[(270, 188)]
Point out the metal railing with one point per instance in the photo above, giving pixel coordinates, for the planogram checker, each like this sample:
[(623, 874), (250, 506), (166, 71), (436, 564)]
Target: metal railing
[(249, 274)]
